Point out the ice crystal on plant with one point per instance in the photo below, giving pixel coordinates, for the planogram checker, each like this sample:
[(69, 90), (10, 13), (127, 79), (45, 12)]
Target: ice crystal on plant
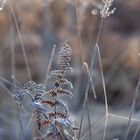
[(19, 96), (106, 8), (59, 121), (56, 121)]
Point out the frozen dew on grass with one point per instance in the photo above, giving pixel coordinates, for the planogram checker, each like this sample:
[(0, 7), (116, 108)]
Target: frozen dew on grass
[(106, 8)]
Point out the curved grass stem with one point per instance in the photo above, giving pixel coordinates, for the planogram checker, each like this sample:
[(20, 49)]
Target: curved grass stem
[(21, 41), (49, 65), (132, 110)]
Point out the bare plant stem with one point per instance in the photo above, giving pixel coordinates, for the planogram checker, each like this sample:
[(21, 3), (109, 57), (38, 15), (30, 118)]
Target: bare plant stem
[(93, 127), (90, 80), (81, 123), (105, 127), (8, 82), (109, 115), (104, 89), (132, 109), (13, 73), (91, 66), (96, 44), (49, 65), (6, 89), (80, 42), (122, 117), (136, 132), (20, 122), (84, 103), (78, 27), (28, 124), (41, 138), (116, 65), (61, 134), (21, 41), (99, 31), (85, 106), (89, 120)]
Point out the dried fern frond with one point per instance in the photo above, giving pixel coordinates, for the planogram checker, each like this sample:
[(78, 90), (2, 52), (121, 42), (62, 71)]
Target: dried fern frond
[(37, 117), (56, 73), (45, 122), (57, 114), (55, 120), (65, 81), (19, 96), (38, 96), (56, 103), (62, 81), (62, 92), (38, 106), (52, 92), (30, 86), (65, 57), (63, 123), (59, 73), (59, 92), (40, 89), (49, 103), (62, 105), (57, 125)]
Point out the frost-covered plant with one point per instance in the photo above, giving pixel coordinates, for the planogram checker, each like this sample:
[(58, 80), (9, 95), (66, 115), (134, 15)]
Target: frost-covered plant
[(57, 122), (106, 8), (34, 92)]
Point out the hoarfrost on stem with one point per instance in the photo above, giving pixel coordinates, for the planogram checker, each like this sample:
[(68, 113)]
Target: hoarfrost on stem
[(106, 8)]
